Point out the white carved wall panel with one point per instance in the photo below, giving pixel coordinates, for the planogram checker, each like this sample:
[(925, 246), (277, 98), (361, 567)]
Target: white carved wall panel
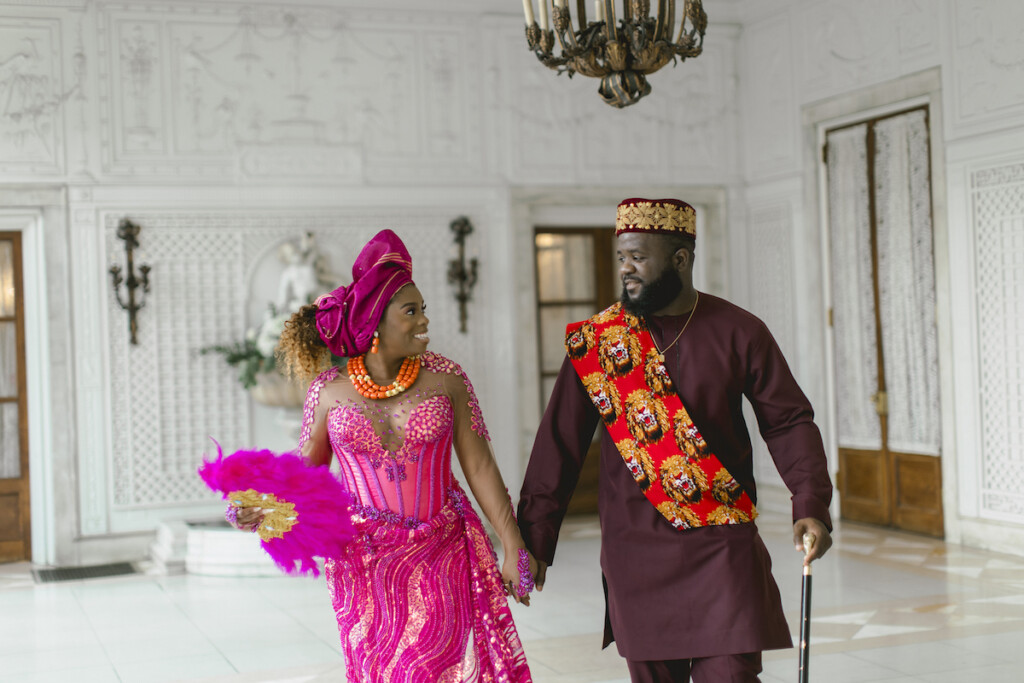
[(773, 299), (91, 381), (699, 112), (770, 126), (162, 94), (33, 95), (988, 64), (844, 46), (233, 91), (166, 400), (559, 130), (537, 114), (998, 211)]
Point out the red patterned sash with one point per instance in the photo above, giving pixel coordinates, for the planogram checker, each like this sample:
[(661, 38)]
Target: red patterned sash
[(616, 359)]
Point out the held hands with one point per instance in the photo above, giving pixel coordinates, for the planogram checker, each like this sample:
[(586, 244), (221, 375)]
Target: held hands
[(540, 575), (510, 575), (243, 518), (822, 538)]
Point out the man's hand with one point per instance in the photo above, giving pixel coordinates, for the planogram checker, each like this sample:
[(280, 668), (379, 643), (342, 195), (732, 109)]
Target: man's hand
[(822, 538), (542, 571)]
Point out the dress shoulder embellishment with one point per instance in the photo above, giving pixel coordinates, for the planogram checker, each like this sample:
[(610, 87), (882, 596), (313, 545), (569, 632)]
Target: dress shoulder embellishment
[(434, 362), (312, 401)]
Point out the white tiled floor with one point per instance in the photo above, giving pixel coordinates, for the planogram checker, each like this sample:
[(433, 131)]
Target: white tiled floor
[(887, 607)]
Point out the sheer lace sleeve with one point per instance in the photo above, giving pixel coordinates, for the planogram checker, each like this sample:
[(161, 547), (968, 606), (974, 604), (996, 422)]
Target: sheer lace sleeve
[(465, 403), (473, 448), (460, 390), (314, 442)]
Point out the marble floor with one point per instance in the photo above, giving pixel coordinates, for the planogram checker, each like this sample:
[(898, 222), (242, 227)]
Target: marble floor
[(887, 607)]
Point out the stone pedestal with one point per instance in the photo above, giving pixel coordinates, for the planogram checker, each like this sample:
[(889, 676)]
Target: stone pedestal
[(214, 548), (167, 552), (211, 547)]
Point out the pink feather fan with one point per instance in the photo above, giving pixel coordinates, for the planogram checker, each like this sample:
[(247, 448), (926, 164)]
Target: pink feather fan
[(306, 509)]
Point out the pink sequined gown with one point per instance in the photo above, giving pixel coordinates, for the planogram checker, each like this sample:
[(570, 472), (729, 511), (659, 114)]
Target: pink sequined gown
[(417, 594)]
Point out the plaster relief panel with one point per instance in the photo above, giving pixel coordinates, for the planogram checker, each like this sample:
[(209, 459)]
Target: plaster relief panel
[(372, 104), (140, 113), (221, 89), (681, 125), (770, 116), (615, 144), (538, 110), (561, 131), (80, 59), (988, 62), (698, 109), (33, 97), (918, 30), (851, 45), (442, 83)]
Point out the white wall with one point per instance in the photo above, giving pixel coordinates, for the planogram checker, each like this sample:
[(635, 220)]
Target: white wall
[(226, 127), (802, 63)]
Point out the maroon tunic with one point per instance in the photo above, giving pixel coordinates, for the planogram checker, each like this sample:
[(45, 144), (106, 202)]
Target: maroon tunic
[(674, 594)]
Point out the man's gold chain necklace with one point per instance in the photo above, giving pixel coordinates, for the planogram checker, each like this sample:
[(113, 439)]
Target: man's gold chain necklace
[(661, 352)]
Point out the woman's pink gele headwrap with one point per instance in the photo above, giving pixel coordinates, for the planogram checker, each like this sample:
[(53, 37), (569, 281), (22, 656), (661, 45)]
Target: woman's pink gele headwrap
[(347, 317)]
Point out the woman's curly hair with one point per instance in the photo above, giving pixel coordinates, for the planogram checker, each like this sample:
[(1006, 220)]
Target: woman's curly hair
[(300, 352)]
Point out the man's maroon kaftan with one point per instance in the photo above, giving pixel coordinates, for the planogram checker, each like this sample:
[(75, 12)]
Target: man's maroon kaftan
[(701, 592)]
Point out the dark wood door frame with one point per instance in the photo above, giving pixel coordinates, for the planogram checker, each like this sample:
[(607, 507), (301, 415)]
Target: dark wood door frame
[(15, 510), (584, 500)]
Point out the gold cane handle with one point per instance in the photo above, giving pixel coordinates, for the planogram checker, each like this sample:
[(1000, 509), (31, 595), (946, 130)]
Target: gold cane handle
[(809, 540)]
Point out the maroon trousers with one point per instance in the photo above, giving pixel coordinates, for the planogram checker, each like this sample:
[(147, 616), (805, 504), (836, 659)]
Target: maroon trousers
[(722, 669)]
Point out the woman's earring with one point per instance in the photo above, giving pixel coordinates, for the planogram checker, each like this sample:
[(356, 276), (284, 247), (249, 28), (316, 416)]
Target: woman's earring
[(376, 342)]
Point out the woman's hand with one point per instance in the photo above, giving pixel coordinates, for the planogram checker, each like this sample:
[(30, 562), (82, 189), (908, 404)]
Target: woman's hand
[(244, 518), (510, 572)]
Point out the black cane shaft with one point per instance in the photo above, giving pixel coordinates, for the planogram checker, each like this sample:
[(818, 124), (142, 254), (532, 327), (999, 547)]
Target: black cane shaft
[(805, 608), (805, 628)]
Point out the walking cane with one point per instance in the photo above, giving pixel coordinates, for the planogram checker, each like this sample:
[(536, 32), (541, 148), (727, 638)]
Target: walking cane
[(805, 612)]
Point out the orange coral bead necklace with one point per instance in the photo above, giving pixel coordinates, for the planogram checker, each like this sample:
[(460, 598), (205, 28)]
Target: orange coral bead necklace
[(367, 388)]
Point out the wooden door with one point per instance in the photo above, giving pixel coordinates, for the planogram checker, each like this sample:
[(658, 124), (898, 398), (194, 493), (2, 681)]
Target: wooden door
[(883, 318), (15, 525), (576, 276)]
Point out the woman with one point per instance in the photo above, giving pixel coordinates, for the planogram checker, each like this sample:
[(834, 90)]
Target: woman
[(420, 580)]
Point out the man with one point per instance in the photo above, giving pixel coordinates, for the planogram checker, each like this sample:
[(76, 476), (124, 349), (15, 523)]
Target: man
[(687, 578)]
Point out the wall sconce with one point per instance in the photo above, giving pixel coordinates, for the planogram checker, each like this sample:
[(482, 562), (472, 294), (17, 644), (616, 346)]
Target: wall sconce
[(458, 274), (129, 233)]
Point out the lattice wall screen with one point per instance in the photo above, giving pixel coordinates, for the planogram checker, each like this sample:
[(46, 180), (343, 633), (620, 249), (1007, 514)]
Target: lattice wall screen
[(166, 400), (998, 210)]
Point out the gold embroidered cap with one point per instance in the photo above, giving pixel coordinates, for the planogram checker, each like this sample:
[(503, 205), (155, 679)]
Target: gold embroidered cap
[(657, 216)]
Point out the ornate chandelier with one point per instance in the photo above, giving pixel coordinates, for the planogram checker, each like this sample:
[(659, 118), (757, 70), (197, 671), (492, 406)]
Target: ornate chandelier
[(621, 52)]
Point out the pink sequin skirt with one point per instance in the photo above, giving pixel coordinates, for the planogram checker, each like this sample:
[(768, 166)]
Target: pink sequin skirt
[(424, 604)]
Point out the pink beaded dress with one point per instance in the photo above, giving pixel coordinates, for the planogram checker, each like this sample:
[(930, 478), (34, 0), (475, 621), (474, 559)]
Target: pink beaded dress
[(417, 595)]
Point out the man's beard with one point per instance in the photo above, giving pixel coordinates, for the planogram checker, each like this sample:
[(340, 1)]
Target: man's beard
[(653, 296)]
